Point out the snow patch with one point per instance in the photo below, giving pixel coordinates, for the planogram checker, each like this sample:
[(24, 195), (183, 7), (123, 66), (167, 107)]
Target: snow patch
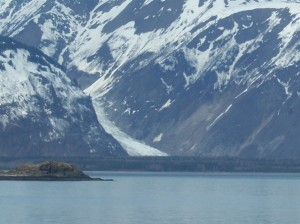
[(246, 90), (147, 2), (158, 138), (218, 118), (166, 105), (169, 88), (286, 87)]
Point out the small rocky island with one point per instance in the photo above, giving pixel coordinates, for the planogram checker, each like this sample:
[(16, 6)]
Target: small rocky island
[(47, 171)]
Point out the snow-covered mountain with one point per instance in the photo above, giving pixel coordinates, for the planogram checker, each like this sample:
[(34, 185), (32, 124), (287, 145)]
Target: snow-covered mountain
[(190, 77), (42, 112)]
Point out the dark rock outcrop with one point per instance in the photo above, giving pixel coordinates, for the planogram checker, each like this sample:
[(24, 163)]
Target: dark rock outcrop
[(47, 171)]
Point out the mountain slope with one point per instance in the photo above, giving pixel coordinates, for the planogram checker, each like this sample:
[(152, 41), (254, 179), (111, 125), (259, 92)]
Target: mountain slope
[(208, 77), (42, 112), (224, 92)]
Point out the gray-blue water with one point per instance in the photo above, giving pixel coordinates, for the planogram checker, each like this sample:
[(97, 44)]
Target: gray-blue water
[(163, 198)]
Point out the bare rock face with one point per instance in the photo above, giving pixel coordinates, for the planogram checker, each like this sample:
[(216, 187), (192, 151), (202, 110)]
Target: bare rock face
[(48, 170)]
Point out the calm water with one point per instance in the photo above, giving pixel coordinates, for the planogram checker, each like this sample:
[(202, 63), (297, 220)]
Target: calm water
[(162, 198)]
